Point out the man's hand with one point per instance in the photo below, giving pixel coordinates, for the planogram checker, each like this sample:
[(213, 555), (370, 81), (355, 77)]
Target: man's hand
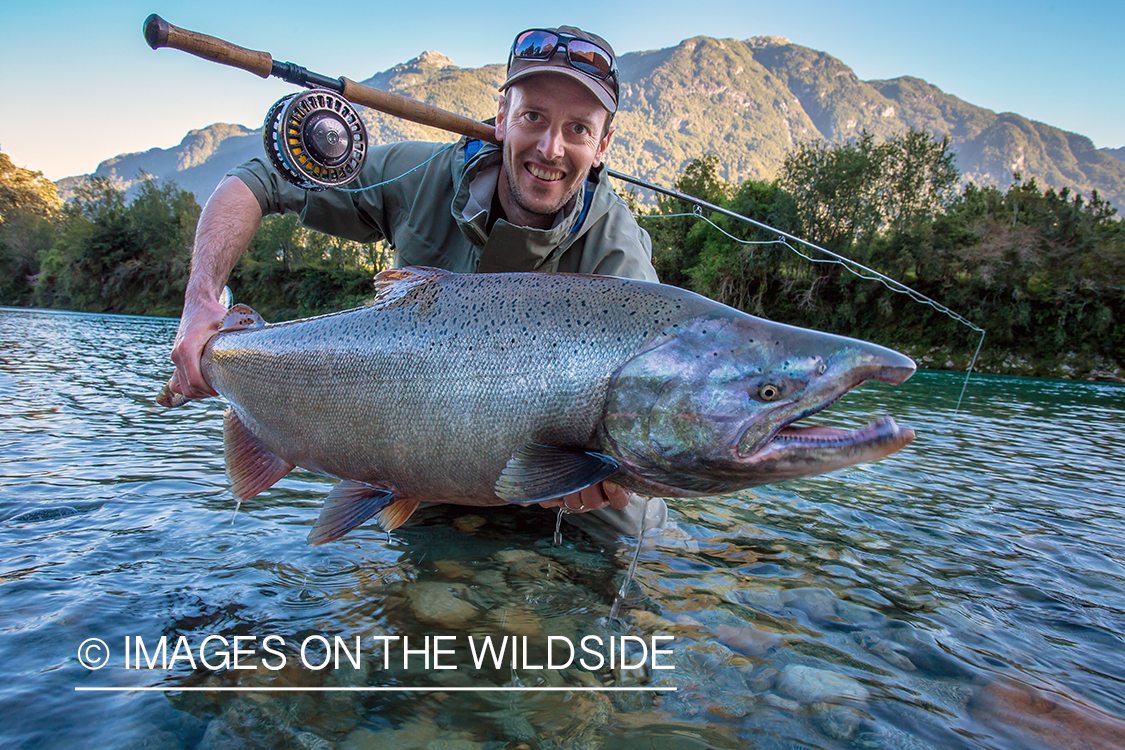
[(592, 498), (201, 319)]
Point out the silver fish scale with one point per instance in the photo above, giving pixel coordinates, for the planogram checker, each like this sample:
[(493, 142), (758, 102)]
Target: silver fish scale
[(430, 391)]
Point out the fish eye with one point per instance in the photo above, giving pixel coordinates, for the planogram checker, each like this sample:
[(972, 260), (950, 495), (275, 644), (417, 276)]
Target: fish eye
[(769, 391)]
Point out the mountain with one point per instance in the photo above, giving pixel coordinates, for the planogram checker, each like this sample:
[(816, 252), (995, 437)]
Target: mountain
[(748, 102), (196, 164)]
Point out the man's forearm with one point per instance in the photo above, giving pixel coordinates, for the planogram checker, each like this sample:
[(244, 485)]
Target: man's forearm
[(226, 227)]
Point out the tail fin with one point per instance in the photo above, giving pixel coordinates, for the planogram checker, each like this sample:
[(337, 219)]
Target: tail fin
[(169, 399)]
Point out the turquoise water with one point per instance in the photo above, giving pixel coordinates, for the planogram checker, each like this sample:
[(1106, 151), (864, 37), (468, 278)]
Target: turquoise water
[(967, 592)]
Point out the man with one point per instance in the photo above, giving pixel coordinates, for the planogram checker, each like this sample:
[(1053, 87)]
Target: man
[(537, 202)]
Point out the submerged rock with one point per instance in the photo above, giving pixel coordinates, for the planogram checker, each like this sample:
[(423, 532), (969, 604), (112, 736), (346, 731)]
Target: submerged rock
[(747, 640), (812, 685), (469, 524), (1054, 716), (836, 721), (441, 603), (888, 651), (453, 569), (417, 734), (708, 682), (887, 737), (518, 620), (587, 714)]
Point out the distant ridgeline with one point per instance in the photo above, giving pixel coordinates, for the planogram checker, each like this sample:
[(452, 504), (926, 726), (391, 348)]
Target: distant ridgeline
[(765, 128), (747, 102)]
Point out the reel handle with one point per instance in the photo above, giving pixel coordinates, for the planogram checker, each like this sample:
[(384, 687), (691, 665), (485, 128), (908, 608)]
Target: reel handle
[(160, 33)]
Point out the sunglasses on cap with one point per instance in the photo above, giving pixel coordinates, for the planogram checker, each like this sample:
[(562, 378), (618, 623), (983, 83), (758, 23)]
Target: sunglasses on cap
[(582, 55)]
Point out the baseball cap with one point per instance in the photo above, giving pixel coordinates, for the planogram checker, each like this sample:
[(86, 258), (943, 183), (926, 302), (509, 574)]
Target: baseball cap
[(569, 51)]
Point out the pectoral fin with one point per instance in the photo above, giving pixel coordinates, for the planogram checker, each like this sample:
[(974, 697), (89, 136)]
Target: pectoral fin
[(541, 472), (251, 465), (347, 506)]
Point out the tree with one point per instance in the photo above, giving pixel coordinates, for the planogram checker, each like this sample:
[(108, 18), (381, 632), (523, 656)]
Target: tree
[(672, 254), (846, 194), (837, 189), (29, 208), (919, 179), (110, 256), (747, 273)]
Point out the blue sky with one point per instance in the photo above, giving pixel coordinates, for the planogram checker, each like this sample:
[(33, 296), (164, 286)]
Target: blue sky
[(80, 85)]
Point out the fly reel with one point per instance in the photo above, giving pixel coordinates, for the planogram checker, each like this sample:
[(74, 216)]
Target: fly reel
[(315, 139)]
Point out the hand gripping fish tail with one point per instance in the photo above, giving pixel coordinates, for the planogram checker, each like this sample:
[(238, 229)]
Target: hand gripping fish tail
[(497, 389)]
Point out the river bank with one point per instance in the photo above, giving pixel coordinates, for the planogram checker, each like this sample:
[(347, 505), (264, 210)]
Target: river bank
[(1069, 365)]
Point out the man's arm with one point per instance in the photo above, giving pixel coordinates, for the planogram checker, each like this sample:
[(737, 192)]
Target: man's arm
[(226, 226)]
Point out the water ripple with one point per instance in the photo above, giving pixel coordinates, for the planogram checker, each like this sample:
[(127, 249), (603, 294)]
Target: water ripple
[(983, 562)]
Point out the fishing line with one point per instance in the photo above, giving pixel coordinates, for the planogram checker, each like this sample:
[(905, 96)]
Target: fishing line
[(404, 174), (863, 272)]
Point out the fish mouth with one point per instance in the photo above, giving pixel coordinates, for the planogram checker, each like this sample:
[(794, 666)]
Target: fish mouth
[(879, 432), (798, 450)]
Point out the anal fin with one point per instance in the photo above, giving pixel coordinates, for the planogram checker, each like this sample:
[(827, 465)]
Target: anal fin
[(536, 473), (348, 505), (251, 466), (396, 514)]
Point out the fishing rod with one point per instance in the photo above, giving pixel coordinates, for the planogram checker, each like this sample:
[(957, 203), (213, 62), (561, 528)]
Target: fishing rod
[(317, 141), (324, 127)]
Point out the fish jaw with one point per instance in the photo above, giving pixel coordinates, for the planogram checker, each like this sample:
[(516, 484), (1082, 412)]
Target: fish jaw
[(798, 450), (713, 406)]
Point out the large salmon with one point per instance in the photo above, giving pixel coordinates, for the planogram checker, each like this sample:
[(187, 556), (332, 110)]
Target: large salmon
[(486, 389)]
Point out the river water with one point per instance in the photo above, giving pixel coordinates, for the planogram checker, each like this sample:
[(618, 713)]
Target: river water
[(968, 592)]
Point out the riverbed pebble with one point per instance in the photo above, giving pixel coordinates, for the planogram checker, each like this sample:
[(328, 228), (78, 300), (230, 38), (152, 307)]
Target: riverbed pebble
[(812, 685), (517, 620), (836, 721), (441, 603), (469, 524)]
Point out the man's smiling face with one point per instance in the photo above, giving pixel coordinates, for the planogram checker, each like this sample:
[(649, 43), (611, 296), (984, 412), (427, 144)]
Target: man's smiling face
[(553, 131)]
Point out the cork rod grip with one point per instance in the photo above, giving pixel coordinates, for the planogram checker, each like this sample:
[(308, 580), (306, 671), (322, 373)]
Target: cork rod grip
[(160, 33), (416, 111)]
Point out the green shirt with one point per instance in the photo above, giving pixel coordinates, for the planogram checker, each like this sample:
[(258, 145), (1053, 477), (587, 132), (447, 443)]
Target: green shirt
[(438, 215)]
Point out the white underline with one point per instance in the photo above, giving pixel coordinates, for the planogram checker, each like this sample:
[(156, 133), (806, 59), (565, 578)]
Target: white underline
[(374, 689)]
